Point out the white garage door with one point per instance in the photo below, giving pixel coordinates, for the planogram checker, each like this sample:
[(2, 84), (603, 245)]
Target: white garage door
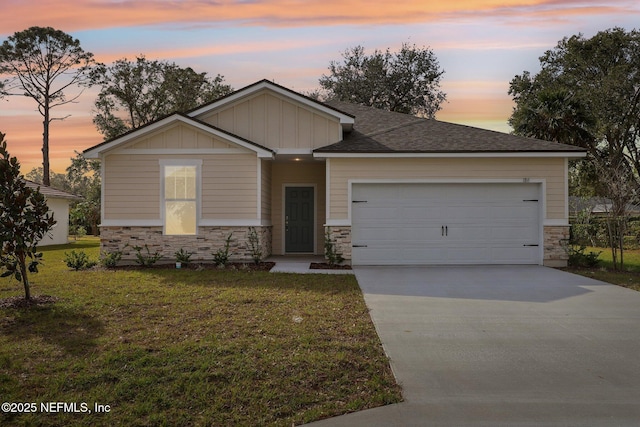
[(445, 224)]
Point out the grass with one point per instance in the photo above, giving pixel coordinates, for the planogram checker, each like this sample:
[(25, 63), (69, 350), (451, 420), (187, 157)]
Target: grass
[(629, 278), (189, 348)]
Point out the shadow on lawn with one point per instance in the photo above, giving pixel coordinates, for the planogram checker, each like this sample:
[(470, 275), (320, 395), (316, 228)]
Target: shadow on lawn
[(71, 329)]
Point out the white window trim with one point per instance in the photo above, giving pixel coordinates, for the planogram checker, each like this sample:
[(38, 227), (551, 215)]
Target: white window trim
[(181, 162)]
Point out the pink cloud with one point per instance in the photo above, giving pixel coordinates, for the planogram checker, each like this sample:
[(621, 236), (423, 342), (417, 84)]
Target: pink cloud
[(73, 15)]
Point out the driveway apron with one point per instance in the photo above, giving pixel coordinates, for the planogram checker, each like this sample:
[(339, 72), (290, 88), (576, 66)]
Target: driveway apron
[(504, 345)]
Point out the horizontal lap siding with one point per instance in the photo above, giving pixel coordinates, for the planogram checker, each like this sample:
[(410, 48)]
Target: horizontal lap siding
[(132, 186), (229, 187), (265, 199), (550, 169)]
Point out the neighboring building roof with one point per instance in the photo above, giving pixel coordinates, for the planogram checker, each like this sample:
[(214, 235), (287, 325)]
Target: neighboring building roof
[(597, 205), (51, 192), (380, 131)]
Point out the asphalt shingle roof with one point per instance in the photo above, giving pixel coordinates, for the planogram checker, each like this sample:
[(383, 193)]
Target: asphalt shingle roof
[(380, 131), (51, 192)]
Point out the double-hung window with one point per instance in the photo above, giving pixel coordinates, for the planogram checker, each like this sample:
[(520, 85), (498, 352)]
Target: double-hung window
[(180, 204)]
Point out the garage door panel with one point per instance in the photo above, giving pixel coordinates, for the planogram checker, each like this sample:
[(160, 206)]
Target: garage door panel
[(446, 224)]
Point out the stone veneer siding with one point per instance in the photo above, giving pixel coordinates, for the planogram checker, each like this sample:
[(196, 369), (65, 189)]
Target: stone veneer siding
[(555, 239), (208, 241), (341, 236)]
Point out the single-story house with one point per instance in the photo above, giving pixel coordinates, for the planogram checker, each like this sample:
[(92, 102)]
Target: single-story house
[(58, 202), (387, 188), (597, 206)]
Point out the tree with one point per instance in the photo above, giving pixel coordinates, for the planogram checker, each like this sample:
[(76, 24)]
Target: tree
[(24, 221), (587, 93), (43, 63), (406, 82), (56, 180), (83, 177), (136, 93)]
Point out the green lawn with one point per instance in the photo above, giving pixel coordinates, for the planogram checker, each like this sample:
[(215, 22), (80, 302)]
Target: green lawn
[(185, 347), (629, 278)]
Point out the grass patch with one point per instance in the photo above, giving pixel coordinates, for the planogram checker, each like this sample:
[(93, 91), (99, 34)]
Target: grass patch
[(629, 278), (186, 347)]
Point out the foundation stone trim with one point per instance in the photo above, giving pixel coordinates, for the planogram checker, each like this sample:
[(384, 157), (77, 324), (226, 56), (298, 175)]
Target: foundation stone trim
[(207, 241), (555, 239)]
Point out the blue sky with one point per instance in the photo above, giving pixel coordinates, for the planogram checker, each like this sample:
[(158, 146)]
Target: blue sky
[(481, 45)]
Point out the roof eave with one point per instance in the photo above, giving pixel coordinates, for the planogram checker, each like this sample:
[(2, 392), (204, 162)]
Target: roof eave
[(441, 154), (346, 120), (100, 149)]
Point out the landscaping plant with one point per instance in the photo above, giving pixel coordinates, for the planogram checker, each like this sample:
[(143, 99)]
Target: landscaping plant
[(24, 221), (221, 256), (254, 245), (148, 259), (78, 260), (183, 257), (330, 252), (111, 259)]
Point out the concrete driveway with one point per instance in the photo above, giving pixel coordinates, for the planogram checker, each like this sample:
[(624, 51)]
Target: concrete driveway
[(504, 346)]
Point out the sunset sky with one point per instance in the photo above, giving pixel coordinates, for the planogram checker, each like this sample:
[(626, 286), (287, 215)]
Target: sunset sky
[(481, 45)]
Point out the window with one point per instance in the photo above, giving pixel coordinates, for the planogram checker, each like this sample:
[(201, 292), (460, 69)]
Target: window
[(180, 198)]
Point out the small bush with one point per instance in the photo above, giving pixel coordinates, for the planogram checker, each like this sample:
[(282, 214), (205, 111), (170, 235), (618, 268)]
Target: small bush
[(221, 257), (183, 257), (330, 252), (78, 260), (254, 245), (148, 259), (578, 257), (110, 259), (77, 231)]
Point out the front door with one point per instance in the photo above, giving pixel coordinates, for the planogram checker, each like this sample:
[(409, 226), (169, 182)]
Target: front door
[(299, 219)]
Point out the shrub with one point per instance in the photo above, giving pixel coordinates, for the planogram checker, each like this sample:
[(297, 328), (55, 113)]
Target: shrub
[(183, 257), (254, 245), (221, 257), (330, 252), (77, 231), (148, 259), (110, 259), (78, 260), (578, 257)]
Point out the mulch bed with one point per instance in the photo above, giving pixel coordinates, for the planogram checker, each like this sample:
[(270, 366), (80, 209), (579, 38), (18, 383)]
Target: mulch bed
[(327, 266), (233, 266), (20, 302)]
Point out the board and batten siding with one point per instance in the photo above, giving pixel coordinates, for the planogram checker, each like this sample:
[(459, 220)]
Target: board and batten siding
[(273, 121), (179, 136), (132, 186), (552, 170)]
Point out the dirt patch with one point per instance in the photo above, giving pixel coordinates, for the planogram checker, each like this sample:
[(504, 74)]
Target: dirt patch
[(21, 302), (327, 266)]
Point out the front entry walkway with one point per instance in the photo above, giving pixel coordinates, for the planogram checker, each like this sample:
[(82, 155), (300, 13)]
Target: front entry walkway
[(300, 264), (503, 346)]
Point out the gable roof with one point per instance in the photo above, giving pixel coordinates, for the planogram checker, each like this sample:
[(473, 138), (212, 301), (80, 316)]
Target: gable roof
[(346, 119), (385, 132), (94, 152), (50, 192)]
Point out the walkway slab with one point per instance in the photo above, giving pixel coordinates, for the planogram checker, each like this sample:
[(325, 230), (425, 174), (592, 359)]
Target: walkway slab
[(301, 265), (503, 346)]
